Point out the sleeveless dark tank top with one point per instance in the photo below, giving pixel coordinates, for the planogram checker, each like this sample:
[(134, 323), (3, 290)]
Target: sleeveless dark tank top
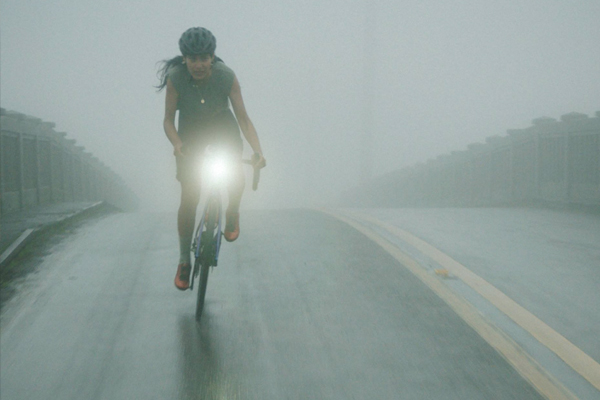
[(204, 109)]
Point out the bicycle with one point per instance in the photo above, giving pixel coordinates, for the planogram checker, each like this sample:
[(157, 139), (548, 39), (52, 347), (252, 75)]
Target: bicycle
[(207, 239)]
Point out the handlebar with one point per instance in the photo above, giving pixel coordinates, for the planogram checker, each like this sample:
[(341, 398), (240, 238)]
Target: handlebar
[(256, 175)]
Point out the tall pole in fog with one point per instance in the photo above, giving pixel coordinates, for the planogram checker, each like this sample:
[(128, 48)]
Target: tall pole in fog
[(366, 154)]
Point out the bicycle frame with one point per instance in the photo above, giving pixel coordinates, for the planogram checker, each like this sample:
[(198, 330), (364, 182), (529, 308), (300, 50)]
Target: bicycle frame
[(207, 239), (213, 203)]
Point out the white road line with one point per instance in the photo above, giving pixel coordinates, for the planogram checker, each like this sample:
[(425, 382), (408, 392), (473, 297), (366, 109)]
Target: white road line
[(15, 246)]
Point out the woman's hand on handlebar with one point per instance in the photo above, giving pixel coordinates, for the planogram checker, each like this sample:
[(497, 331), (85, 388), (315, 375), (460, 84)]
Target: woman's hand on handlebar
[(258, 161), (177, 149)]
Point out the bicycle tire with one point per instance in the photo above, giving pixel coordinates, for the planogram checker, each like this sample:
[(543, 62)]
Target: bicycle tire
[(202, 284), (208, 243)]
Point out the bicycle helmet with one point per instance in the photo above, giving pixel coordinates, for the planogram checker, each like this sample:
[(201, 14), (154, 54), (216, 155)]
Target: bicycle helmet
[(197, 41)]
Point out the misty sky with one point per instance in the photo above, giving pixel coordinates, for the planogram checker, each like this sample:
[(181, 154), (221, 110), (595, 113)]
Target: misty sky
[(443, 75)]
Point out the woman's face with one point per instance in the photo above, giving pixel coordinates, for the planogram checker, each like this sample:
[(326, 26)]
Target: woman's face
[(199, 65)]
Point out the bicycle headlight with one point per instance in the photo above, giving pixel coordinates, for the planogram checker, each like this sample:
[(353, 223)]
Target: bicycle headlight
[(217, 168)]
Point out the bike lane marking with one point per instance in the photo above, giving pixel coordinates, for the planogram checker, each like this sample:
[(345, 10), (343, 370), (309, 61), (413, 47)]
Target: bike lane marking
[(524, 364)]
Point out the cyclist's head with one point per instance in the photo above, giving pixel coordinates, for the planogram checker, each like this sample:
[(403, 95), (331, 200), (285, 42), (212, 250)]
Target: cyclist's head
[(197, 41), (196, 44)]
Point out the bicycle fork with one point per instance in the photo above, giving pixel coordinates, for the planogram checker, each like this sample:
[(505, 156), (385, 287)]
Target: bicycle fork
[(207, 240)]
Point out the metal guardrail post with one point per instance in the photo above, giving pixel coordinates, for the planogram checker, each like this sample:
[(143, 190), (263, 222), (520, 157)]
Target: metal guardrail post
[(21, 174)]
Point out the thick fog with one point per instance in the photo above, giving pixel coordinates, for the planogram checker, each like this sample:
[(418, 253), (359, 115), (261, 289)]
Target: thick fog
[(436, 76)]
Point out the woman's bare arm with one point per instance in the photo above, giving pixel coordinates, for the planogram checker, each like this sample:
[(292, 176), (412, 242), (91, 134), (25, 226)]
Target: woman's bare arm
[(169, 121), (246, 125)]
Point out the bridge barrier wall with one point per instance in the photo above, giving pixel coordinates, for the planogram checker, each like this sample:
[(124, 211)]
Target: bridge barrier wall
[(555, 162), (40, 166)]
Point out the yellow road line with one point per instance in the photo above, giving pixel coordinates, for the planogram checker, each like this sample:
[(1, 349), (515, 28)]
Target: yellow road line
[(544, 382), (582, 363)]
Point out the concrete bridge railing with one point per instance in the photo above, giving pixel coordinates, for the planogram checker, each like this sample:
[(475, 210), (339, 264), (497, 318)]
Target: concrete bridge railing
[(550, 162), (39, 166)]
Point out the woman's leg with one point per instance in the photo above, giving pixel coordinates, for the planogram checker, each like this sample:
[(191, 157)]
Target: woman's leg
[(236, 189), (186, 218), (232, 216)]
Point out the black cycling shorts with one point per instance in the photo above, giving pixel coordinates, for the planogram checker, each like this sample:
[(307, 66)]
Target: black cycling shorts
[(188, 166), (221, 132)]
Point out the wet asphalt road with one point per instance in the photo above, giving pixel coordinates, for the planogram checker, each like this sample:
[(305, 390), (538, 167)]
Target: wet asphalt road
[(300, 307)]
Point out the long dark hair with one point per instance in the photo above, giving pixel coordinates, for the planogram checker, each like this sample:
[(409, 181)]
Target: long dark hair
[(166, 65)]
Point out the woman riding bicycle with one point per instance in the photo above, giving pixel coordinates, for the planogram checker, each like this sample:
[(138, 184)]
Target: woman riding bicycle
[(201, 86)]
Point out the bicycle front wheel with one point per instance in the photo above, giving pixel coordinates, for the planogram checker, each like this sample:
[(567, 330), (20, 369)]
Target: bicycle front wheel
[(202, 283), (208, 247)]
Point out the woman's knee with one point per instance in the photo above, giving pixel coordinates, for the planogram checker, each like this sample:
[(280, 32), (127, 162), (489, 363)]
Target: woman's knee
[(238, 180), (190, 195)]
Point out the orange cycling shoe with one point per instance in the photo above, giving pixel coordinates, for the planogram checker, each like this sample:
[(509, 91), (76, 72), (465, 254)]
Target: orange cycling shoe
[(182, 279), (232, 226)]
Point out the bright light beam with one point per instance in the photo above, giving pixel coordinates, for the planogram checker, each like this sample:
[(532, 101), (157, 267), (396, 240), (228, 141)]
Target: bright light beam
[(217, 168)]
